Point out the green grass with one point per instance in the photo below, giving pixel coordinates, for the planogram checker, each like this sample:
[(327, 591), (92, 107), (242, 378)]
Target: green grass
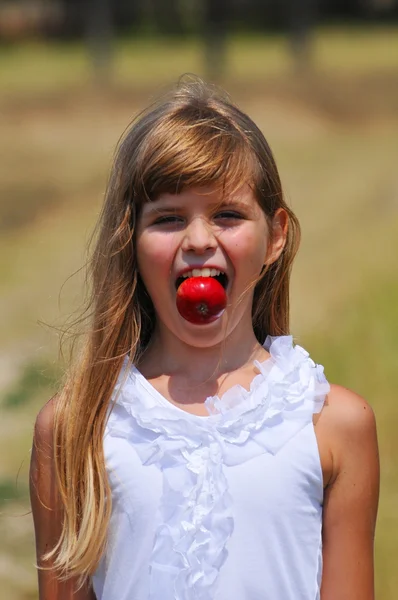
[(34, 377), (10, 491)]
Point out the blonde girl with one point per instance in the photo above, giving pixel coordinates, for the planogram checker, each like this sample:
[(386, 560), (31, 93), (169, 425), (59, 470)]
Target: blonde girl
[(207, 459)]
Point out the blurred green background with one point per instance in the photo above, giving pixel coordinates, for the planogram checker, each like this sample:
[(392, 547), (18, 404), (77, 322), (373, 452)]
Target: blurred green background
[(324, 91)]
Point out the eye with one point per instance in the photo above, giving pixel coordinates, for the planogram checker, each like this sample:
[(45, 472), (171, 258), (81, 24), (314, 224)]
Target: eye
[(229, 215), (167, 220)]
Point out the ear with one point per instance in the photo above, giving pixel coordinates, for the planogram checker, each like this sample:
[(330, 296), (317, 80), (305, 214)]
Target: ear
[(279, 227)]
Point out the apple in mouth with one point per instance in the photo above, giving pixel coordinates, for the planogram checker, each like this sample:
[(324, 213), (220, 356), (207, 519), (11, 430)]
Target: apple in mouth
[(201, 300)]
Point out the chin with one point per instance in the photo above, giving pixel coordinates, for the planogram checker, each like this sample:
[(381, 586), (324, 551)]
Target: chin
[(203, 336)]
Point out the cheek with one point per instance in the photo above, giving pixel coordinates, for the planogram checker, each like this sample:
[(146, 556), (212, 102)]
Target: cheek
[(249, 250), (153, 254)]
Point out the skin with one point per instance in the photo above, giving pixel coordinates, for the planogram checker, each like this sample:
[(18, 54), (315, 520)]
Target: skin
[(183, 363)]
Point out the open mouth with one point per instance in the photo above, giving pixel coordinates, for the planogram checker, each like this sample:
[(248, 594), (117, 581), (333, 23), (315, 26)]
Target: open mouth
[(215, 273)]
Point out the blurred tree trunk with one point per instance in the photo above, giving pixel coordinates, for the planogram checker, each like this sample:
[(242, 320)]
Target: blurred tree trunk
[(166, 15), (99, 27), (302, 16), (215, 17)]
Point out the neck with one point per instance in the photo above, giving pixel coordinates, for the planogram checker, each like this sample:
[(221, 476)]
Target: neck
[(169, 355)]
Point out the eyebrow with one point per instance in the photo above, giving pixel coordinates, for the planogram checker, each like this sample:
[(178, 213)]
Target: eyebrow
[(159, 209), (153, 210)]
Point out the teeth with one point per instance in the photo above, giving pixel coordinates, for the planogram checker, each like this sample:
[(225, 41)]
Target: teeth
[(205, 272)]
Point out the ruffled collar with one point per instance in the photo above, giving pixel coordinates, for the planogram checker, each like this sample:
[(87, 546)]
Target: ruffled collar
[(288, 372)]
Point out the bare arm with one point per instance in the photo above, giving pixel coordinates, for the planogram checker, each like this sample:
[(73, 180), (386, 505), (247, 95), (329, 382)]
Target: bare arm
[(351, 498), (47, 512)]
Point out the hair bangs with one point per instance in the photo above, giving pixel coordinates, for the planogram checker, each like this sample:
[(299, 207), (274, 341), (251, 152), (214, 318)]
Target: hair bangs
[(206, 152)]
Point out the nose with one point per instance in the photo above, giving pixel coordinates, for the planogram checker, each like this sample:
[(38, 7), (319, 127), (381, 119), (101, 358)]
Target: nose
[(198, 237)]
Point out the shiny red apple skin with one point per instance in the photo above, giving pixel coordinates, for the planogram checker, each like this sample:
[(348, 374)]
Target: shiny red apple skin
[(201, 300)]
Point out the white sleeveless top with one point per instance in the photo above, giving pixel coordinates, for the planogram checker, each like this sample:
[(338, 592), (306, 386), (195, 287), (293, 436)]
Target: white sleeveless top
[(222, 507)]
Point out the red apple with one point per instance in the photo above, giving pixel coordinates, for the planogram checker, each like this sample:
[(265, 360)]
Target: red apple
[(201, 300)]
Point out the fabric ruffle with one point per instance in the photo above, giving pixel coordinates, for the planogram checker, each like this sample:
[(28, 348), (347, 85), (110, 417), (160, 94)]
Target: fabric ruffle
[(195, 517)]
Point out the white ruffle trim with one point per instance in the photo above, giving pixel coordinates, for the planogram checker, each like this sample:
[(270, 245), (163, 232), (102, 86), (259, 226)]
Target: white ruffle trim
[(195, 516)]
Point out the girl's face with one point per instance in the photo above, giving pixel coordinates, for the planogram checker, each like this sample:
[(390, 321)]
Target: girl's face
[(198, 229)]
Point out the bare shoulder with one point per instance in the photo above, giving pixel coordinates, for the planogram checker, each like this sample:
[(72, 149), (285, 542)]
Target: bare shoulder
[(42, 459), (347, 428), (44, 423), (43, 437), (348, 413), (45, 417)]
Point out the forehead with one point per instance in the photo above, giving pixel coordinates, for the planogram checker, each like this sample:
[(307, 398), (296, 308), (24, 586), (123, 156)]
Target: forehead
[(204, 196)]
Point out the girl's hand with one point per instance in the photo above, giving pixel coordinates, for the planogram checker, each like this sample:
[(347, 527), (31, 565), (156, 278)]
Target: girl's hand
[(47, 511), (351, 497)]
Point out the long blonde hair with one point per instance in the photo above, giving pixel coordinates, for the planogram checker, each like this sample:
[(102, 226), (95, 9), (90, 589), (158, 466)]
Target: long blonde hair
[(194, 136)]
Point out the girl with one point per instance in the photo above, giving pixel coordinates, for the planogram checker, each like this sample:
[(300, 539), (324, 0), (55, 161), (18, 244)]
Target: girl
[(195, 452)]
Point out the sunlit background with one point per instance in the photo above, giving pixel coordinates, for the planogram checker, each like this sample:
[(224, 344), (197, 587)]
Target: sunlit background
[(320, 77)]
